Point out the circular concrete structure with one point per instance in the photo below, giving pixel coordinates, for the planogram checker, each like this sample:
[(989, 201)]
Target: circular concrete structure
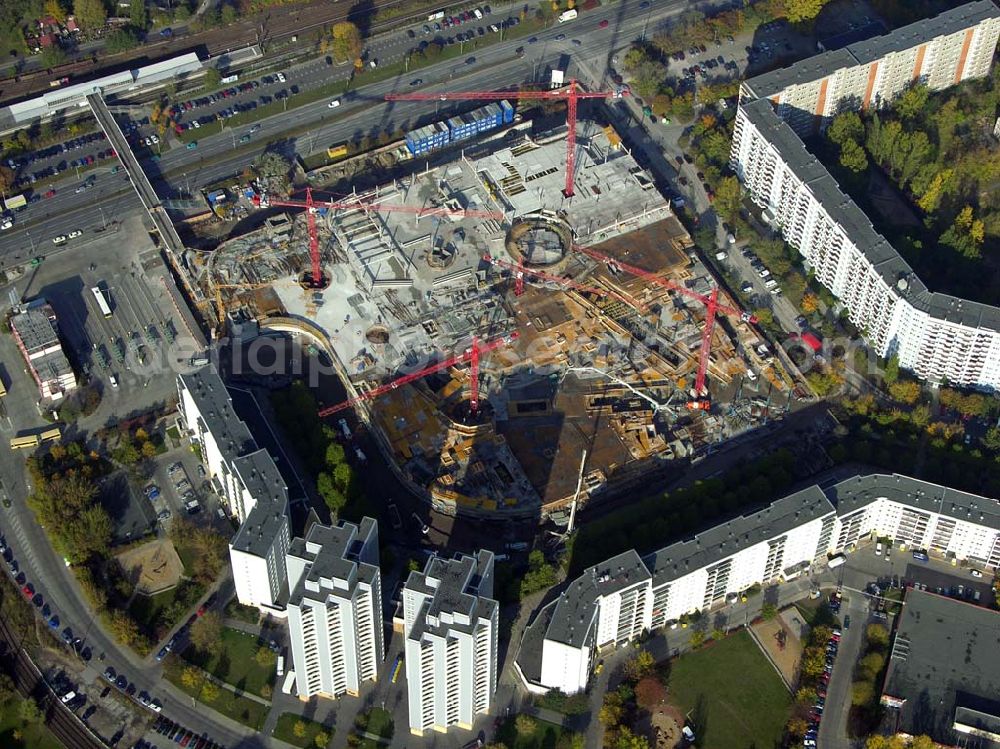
[(540, 239)]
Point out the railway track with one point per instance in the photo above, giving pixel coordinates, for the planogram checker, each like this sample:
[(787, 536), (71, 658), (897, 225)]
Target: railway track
[(64, 725)]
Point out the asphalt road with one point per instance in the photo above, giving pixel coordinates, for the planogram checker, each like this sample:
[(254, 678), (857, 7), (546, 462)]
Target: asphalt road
[(363, 111)]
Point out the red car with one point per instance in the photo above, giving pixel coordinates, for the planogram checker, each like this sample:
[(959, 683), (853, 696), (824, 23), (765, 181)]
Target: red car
[(50, 194), (28, 590), (603, 24), (201, 611)]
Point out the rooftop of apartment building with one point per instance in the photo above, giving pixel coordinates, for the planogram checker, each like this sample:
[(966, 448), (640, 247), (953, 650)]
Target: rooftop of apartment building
[(263, 524), (573, 616), (333, 555), (261, 477), (36, 328), (944, 666), (894, 271), (733, 536), (862, 52), (860, 491), (454, 588), (216, 410)]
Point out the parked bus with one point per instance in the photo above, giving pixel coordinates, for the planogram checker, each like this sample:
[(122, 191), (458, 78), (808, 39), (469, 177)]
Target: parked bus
[(397, 668), (436, 16), (15, 201), (337, 152), (836, 561), (102, 300), (229, 79), (51, 435), (3, 388), (19, 443)]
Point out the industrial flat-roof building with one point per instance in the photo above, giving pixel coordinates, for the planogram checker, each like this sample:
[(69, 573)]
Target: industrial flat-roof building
[(38, 339), (612, 602), (935, 335), (943, 677)]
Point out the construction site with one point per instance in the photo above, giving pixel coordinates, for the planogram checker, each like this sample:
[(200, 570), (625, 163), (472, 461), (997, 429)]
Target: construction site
[(493, 330)]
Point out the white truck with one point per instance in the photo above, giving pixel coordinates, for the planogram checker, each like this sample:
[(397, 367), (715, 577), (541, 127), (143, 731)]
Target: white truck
[(567, 15)]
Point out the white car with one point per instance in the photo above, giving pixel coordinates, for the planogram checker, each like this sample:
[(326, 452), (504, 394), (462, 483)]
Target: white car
[(195, 124), (7, 223), (280, 77), (334, 104), (976, 573), (154, 138), (75, 234), (61, 239)]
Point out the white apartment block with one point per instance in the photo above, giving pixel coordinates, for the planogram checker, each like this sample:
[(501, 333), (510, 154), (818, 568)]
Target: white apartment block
[(450, 632), (36, 336), (612, 603), (335, 609), (247, 480), (937, 336)]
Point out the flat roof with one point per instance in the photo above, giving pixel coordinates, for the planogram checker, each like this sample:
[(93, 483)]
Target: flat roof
[(332, 553), (944, 657), (35, 328), (263, 524), (453, 586), (216, 409)]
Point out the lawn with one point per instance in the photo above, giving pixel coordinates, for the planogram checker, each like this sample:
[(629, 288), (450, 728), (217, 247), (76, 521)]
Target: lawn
[(31, 735), (157, 614), (285, 730), (376, 721), (235, 662), (248, 712), (730, 713), (546, 735)]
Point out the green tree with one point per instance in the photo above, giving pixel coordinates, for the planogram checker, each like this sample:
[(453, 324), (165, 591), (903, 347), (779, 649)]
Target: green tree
[(299, 729), (639, 666), (625, 739), (862, 693), (871, 665), (265, 657), (209, 692), (332, 496), (797, 11), (905, 391), (346, 44), (877, 636), (812, 662), (846, 127), (206, 632), (123, 628), (90, 14), (52, 57), (853, 157), (768, 611), (525, 725), (29, 711), (7, 689), (55, 9), (612, 711), (321, 739), (912, 102), (212, 79), (697, 638), (891, 373), (991, 440), (137, 15), (727, 197), (228, 15)]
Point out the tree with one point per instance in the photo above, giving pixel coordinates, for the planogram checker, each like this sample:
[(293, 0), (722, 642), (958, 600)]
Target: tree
[(209, 692), (912, 102), (7, 688), (905, 391), (727, 197), (332, 496), (810, 303), (764, 316), (137, 14), (922, 742), (52, 57), (206, 632), (612, 711), (853, 157), (7, 178), (148, 450), (877, 636), (299, 729), (638, 667), (797, 11), (797, 727), (191, 677), (525, 725), (861, 693), (346, 43), (991, 440), (768, 611), (90, 14), (846, 127), (228, 15), (29, 711), (697, 638), (813, 662), (891, 373), (55, 9), (266, 691), (625, 739), (941, 185), (871, 665), (321, 739), (212, 79), (265, 657)]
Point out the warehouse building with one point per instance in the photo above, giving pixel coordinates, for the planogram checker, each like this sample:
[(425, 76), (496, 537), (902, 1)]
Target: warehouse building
[(610, 604), (937, 336)]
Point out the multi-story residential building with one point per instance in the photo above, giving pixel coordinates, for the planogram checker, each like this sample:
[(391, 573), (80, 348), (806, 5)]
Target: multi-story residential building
[(450, 633), (335, 609), (248, 481), (612, 603), (936, 336), (36, 336)]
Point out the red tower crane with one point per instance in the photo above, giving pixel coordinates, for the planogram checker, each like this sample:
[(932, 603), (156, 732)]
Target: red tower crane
[(571, 92), (712, 307), (315, 278), (520, 272), (471, 355)]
